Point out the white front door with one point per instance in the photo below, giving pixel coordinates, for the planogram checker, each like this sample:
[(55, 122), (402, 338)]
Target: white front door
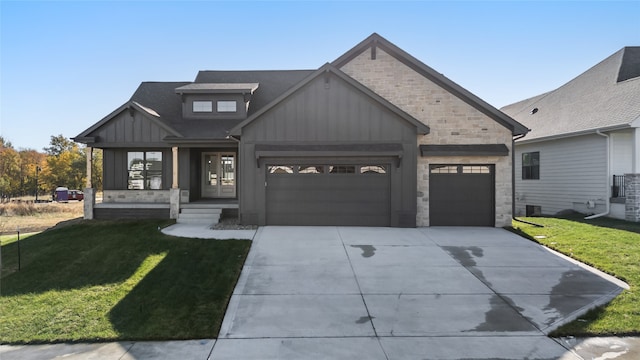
[(219, 175)]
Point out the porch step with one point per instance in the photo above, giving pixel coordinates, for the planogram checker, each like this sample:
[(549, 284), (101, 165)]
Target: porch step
[(205, 216)]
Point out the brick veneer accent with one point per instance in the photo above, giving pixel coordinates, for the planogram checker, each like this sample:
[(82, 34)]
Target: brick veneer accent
[(632, 197), (452, 121)]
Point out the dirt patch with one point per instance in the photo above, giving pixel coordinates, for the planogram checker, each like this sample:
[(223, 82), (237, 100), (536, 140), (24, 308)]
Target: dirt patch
[(30, 217)]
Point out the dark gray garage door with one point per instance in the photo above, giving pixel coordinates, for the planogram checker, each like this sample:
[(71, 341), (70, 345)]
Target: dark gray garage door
[(328, 195), (461, 195)]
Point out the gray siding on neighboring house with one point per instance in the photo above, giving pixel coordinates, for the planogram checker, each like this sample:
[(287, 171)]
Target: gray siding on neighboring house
[(115, 168), (572, 172), (329, 111), (622, 152)]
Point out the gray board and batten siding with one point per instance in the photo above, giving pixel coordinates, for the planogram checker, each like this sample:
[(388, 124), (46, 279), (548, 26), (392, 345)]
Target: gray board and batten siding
[(329, 120)]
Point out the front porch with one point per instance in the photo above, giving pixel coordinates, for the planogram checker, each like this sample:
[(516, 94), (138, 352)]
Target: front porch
[(205, 211), (192, 184)]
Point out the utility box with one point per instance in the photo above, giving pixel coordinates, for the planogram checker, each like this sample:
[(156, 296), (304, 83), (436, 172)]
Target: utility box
[(62, 194)]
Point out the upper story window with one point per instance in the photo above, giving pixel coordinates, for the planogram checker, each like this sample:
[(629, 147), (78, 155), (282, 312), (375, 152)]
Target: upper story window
[(202, 106), (531, 166), (227, 106)]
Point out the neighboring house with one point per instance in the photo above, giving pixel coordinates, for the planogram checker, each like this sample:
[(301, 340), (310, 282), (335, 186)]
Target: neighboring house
[(583, 151), (375, 138)]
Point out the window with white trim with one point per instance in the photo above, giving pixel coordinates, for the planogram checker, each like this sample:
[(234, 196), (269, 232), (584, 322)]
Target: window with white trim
[(227, 106), (200, 106)]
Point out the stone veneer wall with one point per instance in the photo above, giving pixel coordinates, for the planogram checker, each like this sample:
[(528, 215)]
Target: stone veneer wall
[(452, 121), (136, 196), (632, 197)]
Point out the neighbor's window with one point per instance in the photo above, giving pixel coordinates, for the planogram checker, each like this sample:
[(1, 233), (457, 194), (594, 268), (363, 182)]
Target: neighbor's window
[(531, 166), (145, 170), (202, 106), (226, 106)]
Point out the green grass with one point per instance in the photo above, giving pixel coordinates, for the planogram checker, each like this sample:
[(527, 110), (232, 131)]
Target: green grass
[(610, 245), (104, 281)]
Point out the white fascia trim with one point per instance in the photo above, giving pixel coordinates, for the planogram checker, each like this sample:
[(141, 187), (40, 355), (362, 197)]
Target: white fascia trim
[(577, 133)]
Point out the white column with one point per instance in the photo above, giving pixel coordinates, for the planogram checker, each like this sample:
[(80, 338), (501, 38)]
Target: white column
[(174, 185), (174, 193), (89, 152)]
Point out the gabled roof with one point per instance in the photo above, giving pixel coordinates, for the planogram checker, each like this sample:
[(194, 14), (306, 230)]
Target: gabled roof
[(605, 97), (161, 98), (131, 105), (328, 68), (376, 41)]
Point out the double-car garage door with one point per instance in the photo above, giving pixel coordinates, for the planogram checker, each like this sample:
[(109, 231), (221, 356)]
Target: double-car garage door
[(325, 194)]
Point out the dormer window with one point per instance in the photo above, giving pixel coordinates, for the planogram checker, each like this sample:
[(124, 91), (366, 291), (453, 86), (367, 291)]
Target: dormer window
[(203, 106), (202, 101), (227, 106)]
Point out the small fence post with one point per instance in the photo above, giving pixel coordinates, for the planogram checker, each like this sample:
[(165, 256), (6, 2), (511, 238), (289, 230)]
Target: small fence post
[(18, 230)]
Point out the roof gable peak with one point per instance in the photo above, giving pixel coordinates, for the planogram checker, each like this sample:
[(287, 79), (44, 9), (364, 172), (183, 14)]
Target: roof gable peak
[(375, 41)]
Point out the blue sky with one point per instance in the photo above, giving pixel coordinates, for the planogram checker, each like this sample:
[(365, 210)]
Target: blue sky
[(66, 65)]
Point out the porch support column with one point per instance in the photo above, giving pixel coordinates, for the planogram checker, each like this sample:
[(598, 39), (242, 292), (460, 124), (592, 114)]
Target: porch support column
[(89, 191), (174, 192), (89, 152), (174, 185)]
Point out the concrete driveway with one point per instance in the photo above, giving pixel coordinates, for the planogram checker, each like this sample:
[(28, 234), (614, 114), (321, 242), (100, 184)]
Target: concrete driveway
[(383, 293)]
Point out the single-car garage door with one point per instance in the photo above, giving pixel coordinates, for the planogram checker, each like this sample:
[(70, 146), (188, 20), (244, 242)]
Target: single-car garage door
[(461, 195), (322, 194)]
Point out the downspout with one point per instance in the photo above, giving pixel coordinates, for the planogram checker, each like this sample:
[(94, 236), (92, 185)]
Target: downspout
[(513, 181), (607, 197)]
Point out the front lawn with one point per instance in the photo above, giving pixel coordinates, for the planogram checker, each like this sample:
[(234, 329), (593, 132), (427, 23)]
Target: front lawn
[(610, 245), (99, 281)]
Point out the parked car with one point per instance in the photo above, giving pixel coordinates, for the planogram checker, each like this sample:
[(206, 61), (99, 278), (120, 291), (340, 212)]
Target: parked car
[(76, 195)]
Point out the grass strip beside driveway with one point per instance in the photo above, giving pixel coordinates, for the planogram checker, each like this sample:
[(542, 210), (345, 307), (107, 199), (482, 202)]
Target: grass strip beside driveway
[(105, 281), (610, 245)]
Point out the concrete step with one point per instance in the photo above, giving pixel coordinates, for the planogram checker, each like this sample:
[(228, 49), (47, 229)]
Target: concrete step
[(209, 222), (200, 211), (202, 214), (199, 216)]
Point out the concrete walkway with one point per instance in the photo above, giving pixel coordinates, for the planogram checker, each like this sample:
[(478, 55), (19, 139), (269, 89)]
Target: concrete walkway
[(198, 231), (382, 293)]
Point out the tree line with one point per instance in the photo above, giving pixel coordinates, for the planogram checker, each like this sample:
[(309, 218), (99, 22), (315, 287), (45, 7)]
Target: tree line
[(24, 172)]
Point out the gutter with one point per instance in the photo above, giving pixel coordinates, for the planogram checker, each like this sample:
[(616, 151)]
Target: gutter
[(607, 197), (513, 177), (577, 133)]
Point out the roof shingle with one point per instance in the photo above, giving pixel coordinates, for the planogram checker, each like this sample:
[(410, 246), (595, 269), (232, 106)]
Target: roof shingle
[(596, 99)]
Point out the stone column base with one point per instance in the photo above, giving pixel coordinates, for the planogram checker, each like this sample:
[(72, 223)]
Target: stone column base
[(89, 202), (632, 197), (174, 203)]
